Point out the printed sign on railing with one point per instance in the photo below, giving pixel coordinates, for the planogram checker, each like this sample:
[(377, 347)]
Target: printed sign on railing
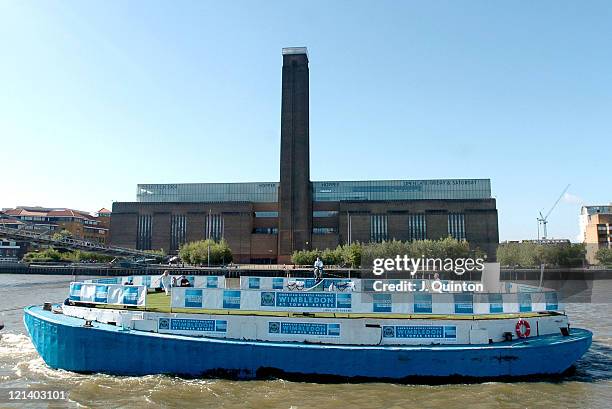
[(303, 328), (134, 295), (154, 281), (318, 300), (420, 331), (357, 302), (280, 283), (192, 326)]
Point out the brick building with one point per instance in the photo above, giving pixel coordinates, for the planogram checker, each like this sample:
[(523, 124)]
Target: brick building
[(80, 224), (266, 222), (596, 229)]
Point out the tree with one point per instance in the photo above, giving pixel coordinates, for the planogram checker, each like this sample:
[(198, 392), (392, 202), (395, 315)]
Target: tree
[(572, 255), (222, 253), (531, 254), (197, 252), (77, 256), (47, 255), (604, 256), (185, 253), (160, 253), (61, 235), (332, 257), (356, 254), (509, 254), (305, 257), (351, 255)]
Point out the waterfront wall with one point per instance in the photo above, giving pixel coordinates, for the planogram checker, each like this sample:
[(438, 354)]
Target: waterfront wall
[(267, 271)]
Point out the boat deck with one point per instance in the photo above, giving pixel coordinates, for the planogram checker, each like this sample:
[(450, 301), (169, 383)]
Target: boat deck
[(160, 302)]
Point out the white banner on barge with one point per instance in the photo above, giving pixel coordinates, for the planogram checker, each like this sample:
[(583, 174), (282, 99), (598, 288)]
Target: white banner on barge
[(114, 294), (358, 302), (154, 281)]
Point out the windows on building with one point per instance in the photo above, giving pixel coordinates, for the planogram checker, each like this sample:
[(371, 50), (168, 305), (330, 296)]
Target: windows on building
[(265, 230), (208, 192), (401, 189), (324, 230), (178, 231), (143, 236), (324, 213), (214, 227), (456, 225), (266, 214), (378, 227), (417, 229)]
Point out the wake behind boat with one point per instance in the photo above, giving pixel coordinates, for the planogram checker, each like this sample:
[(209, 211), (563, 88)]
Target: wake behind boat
[(271, 326)]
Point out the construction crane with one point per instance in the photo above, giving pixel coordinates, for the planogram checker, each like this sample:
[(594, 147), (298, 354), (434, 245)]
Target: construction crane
[(543, 220)]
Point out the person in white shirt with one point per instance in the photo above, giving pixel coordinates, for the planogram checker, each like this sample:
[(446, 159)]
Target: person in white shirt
[(318, 269), (165, 281)]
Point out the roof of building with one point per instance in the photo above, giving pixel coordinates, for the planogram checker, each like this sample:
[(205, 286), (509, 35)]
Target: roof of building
[(597, 209), (24, 212), (356, 190), (34, 211), (9, 220), (295, 50)]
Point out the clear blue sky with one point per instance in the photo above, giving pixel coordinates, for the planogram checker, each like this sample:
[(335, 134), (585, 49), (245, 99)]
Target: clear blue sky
[(96, 97)]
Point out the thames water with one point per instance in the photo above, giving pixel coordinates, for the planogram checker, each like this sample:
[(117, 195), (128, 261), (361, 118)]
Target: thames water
[(589, 385)]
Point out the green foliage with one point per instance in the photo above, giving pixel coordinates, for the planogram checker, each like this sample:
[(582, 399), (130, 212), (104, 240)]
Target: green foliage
[(196, 252), (64, 234), (332, 257), (47, 255), (305, 257), (347, 256), (78, 256), (351, 255), (357, 254), (573, 255), (159, 253), (604, 256), (535, 254), (443, 248), (509, 254)]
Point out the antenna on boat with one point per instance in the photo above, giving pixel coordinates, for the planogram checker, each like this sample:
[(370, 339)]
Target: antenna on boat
[(543, 220)]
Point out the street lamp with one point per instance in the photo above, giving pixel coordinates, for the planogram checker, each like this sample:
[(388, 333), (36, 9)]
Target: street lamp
[(209, 235)]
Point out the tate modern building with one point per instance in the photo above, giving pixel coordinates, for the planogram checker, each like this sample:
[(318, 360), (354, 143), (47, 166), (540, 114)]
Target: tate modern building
[(266, 222)]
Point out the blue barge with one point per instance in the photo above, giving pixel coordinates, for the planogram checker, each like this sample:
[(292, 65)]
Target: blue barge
[(251, 333)]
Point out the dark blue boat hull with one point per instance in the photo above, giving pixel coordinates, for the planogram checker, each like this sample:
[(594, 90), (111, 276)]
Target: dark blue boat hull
[(64, 343)]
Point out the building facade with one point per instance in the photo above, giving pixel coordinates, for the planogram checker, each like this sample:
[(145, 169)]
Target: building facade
[(596, 229), (11, 250), (80, 224), (268, 221)]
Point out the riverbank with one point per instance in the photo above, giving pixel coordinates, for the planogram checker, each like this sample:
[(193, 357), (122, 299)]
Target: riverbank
[(107, 270)]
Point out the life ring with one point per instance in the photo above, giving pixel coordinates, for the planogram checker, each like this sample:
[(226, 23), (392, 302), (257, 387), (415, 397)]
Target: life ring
[(523, 329)]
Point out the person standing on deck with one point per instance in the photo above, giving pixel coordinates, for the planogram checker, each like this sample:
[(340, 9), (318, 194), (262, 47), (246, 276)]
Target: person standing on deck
[(318, 269), (165, 281)]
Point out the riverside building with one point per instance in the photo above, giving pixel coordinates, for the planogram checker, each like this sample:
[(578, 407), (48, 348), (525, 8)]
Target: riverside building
[(596, 229), (265, 222)]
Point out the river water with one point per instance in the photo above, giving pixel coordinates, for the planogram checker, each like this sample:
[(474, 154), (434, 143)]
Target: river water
[(589, 386)]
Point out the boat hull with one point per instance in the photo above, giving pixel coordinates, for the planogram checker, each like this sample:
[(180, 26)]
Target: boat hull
[(64, 343)]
